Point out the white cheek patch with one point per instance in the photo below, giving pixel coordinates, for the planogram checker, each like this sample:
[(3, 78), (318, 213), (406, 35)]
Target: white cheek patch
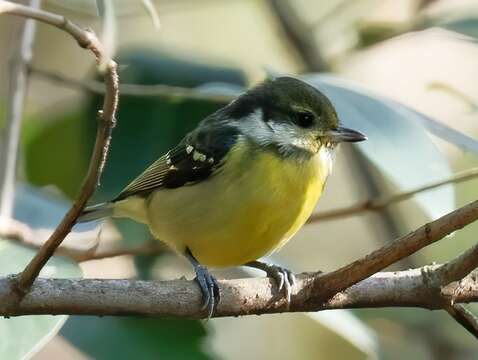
[(326, 156)]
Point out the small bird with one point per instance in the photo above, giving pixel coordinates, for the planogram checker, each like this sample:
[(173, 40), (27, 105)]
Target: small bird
[(241, 184)]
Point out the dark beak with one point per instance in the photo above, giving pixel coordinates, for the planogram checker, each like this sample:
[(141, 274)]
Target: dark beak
[(342, 134)]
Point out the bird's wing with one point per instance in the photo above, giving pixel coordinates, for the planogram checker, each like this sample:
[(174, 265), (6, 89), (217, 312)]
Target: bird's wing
[(193, 160)]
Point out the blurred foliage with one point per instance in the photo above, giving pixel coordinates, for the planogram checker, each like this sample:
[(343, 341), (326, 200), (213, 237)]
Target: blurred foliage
[(65, 167), (136, 338), (27, 334)]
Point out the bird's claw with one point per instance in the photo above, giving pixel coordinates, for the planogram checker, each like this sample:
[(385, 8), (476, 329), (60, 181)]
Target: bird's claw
[(284, 278), (209, 289)]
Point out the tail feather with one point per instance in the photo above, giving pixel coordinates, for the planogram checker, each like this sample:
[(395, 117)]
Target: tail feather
[(96, 212)]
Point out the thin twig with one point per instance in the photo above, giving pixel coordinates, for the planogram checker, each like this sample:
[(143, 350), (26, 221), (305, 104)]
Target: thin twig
[(88, 40), (167, 92), (458, 268), (464, 317), (384, 201), (182, 298), (10, 136), (149, 248)]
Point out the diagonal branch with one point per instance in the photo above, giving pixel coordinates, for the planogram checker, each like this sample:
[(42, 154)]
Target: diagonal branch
[(87, 40), (300, 35), (325, 285), (381, 202), (458, 268), (464, 317)]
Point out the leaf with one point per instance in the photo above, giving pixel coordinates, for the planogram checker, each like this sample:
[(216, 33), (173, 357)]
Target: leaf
[(27, 334), (397, 143), (64, 169), (136, 338)]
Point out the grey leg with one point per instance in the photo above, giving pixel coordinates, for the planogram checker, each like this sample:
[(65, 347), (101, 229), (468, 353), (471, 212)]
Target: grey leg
[(207, 283)]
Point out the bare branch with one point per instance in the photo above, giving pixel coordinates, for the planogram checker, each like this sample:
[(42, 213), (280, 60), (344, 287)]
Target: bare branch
[(400, 248), (182, 298), (10, 136), (459, 267), (299, 35), (114, 249), (380, 203), (88, 40), (464, 317), (166, 92)]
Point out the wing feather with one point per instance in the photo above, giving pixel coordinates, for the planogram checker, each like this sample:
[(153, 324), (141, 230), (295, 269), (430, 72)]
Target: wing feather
[(193, 160)]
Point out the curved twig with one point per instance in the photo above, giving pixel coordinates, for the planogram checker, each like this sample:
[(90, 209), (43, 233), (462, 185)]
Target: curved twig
[(384, 201), (87, 40)]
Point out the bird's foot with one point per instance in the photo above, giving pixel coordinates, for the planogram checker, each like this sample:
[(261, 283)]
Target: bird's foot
[(284, 278), (209, 289)]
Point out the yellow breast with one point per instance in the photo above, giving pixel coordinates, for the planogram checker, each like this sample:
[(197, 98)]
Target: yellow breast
[(249, 209)]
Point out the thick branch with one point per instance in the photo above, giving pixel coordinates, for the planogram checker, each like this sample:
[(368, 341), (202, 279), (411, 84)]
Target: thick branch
[(339, 280), (183, 298), (88, 40)]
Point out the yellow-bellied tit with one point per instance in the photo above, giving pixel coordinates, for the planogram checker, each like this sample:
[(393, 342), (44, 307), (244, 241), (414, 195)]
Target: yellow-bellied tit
[(241, 184)]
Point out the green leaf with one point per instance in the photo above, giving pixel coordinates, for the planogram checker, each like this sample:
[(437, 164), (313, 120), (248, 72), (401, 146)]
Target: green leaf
[(64, 169), (136, 338), (27, 334)]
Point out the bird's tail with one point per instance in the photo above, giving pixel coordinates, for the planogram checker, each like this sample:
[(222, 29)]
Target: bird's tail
[(96, 212)]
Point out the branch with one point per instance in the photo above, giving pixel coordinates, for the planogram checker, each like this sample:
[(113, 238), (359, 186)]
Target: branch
[(182, 298), (149, 248), (10, 135), (381, 202), (464, 317), (166, 92), (459, 267), (87, 40), (339, 280), (300, 36)]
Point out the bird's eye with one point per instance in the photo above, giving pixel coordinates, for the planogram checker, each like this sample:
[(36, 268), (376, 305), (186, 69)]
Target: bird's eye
[(304, 119)]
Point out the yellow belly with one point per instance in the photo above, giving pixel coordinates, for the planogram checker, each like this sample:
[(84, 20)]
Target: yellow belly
[(245, 212)]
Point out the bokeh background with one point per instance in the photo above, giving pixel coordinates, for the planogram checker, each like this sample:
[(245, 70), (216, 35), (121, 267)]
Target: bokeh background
[(378, 60)]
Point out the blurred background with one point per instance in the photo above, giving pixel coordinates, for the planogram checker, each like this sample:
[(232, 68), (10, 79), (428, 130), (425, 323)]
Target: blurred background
[(396, 70)]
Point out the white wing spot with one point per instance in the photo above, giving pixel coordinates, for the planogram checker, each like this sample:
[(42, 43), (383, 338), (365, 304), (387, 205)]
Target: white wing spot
[(210, 160), (189, 149), (197, 156)]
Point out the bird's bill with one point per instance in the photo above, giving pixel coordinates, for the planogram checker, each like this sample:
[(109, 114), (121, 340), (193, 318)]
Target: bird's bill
[(343, 134)]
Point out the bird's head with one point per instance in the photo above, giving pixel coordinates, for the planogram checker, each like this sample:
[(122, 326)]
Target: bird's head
[(290, 116)]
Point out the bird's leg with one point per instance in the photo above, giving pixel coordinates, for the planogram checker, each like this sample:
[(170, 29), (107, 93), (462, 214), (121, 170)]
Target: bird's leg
[(207, 283), (284, 278)]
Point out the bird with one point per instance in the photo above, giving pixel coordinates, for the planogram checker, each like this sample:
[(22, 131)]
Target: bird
[(241, 184)]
